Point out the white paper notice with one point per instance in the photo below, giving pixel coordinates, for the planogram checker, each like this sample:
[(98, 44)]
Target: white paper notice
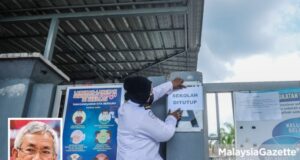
[(189, 98), (257, 106)]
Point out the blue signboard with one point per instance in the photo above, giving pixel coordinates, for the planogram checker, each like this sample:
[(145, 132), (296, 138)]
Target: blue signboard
[(90, 122)]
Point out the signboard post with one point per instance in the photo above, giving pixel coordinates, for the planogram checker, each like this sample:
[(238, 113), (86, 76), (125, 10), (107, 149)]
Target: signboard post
[(192, 129), (90, 122)]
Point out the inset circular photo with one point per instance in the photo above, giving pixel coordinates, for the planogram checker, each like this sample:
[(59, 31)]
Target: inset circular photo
[(104, 116), (79, 117), (75, 156), (103, 136), (77, 136), (101, 156)]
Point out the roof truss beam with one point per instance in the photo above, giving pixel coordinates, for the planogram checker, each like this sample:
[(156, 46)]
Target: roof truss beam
[(95, 14), (153, 64), (94, 33), (128, 50), (106, 62), (116, 62), (143, 3)]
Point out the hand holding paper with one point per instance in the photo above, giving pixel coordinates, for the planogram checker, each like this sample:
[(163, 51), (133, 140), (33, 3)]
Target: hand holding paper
[(178, 83), (177, 114)]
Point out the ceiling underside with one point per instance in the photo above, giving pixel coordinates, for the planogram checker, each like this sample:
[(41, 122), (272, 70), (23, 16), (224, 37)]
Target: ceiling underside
[(107, 39)]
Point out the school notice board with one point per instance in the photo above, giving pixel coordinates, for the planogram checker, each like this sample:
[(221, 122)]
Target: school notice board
[(90, 122), (268, 119)]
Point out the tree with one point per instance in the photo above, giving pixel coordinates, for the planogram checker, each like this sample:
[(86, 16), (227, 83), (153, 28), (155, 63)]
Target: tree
[(227, 135)]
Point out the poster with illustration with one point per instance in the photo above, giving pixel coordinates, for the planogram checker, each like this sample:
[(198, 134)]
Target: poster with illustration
[(90, 122)]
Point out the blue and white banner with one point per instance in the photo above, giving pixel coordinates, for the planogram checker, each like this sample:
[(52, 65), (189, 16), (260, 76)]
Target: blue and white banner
[(90, 122)]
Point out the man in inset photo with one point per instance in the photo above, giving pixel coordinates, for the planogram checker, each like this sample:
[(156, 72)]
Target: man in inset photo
[(36, 141)]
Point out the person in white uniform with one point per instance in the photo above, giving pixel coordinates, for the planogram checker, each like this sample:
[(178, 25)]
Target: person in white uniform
[(139, 130)]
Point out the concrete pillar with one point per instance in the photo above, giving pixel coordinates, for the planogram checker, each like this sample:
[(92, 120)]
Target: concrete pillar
[(41, 101), (27, 87)]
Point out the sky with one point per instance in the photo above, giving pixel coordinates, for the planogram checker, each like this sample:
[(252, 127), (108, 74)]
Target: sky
[(250, 40)]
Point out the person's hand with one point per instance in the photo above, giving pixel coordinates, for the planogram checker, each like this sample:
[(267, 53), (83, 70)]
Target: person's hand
[(178, 83), (177, 114)]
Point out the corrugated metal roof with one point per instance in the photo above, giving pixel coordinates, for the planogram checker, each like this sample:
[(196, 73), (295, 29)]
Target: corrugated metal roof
[(112, 46)]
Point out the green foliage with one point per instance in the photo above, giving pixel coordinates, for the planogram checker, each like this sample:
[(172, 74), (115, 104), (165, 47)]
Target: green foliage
[(227, 136)]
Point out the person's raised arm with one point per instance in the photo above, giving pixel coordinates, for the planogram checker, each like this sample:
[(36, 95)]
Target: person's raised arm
[(167, 87)]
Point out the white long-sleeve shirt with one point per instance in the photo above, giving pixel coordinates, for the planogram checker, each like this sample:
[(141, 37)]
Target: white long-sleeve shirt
[(140, 131)]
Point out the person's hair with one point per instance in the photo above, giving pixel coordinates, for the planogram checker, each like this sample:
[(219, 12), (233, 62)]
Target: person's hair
[(76, 132), (138, 89), (105, 110), (35, 127)]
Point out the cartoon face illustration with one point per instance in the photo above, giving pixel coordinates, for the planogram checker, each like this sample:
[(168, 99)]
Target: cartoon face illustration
[(103, 136), (77, 136), (104, 117), (101, 156), (79, 117), (75, 157)]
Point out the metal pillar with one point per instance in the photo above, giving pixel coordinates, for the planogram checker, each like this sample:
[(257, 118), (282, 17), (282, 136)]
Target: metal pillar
[(218, 117), (48, 53)]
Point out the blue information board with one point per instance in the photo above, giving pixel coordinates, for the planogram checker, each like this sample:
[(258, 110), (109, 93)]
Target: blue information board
[(90, 122)]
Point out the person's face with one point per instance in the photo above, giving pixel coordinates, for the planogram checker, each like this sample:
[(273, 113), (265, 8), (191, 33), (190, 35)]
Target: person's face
[(74, 156), (77, 138), (101, 157), (103, 137), (105, 116), (37, 146)]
